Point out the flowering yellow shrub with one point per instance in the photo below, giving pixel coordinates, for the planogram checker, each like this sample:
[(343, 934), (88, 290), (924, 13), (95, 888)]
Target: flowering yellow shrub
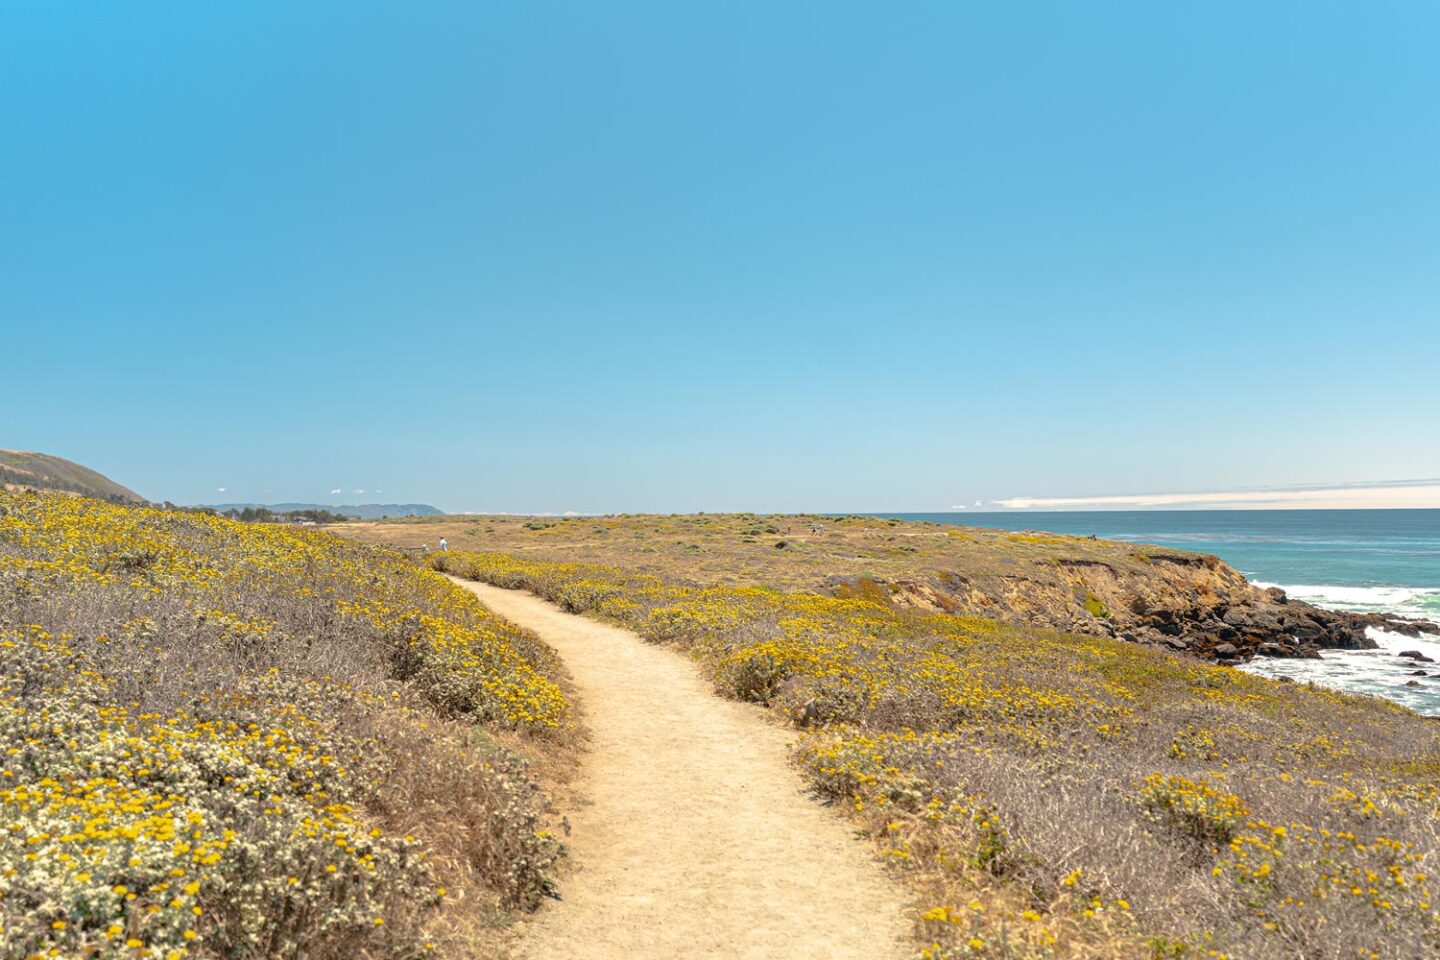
[(1107, 800), (1196, 809), (238, 577), (215, 738)]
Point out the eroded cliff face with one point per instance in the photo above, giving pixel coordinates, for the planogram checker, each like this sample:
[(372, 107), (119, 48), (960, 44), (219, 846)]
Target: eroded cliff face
[(1187, 602)]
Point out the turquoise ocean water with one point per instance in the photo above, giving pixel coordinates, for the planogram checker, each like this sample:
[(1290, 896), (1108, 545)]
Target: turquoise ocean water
[(1359, 560)]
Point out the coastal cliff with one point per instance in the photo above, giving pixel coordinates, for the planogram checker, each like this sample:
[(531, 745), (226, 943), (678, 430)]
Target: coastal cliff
[(1189, 602), (1152, 595)]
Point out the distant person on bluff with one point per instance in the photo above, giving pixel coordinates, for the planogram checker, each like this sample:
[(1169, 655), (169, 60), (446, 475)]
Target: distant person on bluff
[(443, 544)]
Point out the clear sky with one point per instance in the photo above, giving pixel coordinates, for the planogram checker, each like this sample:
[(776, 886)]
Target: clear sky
[(610, 256)]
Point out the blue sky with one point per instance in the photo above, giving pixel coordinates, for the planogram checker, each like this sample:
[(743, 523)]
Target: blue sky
[(657, 256)]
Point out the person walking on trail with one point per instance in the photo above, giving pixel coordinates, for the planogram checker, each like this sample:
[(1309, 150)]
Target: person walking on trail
[(443, 544)]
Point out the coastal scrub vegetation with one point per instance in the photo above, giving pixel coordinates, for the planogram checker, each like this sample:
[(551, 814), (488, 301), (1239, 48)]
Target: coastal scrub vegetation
[(1150, 595), (1056, 795), (246, 740)]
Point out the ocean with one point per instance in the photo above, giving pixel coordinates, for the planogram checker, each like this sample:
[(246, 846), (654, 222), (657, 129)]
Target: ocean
[(1357, 560)]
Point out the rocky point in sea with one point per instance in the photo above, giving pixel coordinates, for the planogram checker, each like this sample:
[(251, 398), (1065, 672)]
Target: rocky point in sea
[(1268, 625), (1192, 603)]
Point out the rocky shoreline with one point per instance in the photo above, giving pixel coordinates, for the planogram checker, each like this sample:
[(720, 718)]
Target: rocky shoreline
[(1191, 603), (1269, 625)]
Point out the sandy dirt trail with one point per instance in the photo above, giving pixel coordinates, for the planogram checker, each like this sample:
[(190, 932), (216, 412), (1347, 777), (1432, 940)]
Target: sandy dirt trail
[(698, 839)]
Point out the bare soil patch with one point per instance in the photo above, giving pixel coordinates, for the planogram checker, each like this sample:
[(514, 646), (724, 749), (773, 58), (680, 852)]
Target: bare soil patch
[(698, 838)]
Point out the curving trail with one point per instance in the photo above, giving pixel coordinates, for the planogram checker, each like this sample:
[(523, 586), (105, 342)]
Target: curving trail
[(698, 839)]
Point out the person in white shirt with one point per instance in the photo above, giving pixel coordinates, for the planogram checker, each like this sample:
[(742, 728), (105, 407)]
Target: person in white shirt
[(443, 544)]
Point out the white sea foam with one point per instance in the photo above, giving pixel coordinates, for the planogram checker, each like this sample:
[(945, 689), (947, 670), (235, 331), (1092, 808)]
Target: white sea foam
[(1412, 602), (1381, 671), (1391, 642)]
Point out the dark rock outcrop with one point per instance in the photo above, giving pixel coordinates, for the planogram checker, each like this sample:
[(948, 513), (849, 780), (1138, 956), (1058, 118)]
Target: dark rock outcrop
[(1191, 603)]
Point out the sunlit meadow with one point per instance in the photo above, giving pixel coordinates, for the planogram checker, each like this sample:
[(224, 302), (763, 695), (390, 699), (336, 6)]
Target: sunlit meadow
[(1050, 795)]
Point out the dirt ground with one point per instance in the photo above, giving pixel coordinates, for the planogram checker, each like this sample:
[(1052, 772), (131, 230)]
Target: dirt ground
[(695, 836)]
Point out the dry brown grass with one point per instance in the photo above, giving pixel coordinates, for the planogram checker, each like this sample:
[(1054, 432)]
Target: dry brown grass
[(741, 548)]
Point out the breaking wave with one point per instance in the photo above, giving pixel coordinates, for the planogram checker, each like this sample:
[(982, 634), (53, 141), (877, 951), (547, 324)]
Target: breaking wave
[(1421, 603)]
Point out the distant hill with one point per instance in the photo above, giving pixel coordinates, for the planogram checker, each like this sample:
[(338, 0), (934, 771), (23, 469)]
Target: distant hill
[(365, 511), (25, 469)]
